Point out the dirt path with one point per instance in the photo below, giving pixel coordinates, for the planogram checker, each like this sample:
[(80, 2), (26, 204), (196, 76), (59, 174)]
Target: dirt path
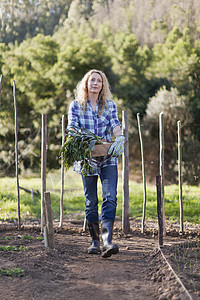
[(68, 272)]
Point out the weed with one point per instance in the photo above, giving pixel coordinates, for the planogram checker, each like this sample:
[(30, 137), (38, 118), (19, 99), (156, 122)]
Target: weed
[(40, 238), (27, 237), (175, 253), (190, 267), (23, 249), (8, 248), (185, 265), (12, 248), (186, 261), (12, 272), (194, 286)]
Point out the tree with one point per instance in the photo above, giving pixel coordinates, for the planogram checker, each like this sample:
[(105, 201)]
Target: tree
[(26, 18), (178, 61), (45, 80), (75, 60), (135, 86), (174, 107), (35, 95)]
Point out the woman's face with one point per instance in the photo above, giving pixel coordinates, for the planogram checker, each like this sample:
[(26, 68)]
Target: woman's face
[(95, 83)]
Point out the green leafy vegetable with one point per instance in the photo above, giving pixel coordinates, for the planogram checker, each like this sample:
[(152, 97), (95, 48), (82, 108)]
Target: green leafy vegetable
[(12, 272), (78, 147)]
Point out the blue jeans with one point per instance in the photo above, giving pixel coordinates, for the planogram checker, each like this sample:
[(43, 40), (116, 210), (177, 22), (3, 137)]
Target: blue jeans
[(109, 178)]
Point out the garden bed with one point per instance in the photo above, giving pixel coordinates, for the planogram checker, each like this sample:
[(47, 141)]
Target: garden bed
[(185, 260), (68, 272)]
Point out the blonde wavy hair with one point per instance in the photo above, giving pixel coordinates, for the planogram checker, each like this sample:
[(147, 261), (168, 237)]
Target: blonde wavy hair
[(82, 91)]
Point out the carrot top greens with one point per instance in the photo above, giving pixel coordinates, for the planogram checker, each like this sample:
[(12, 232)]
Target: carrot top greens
[(78, 147)]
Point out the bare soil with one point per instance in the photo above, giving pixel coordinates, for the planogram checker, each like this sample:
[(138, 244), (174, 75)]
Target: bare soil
[(185, 260), (69, 272)]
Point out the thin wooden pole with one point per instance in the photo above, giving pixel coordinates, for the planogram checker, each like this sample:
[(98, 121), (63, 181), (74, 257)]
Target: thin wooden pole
[(45, 237), (49, 220), (62, 175), (16, 155), (180, 176), (43, 168), (125, 174), (1, 77), (85, 225), (143, 174), (159, 210), (161, 136)]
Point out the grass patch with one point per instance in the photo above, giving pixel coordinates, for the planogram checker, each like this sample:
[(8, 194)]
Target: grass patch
[(74, 199)]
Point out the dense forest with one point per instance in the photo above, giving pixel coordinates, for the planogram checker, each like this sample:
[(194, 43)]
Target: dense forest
[(149, 49)]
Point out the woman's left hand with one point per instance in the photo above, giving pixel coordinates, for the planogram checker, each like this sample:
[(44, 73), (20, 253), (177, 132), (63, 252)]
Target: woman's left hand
[(117, 148)]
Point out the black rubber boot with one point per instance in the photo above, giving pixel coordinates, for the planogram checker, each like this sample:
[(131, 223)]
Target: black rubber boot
[(94, 232), (106, 234)]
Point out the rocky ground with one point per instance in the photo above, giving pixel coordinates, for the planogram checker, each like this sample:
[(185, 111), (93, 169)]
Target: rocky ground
[(138, 271)]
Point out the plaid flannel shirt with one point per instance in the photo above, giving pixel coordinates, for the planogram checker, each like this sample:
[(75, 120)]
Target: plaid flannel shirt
[(102, 126)]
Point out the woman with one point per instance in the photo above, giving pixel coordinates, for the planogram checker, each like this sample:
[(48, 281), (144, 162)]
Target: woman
[(94, 111)]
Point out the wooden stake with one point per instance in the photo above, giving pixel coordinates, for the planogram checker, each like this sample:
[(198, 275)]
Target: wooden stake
[(125, 174), (1, 77), (161, 135), (62, 175), (43, 168), (16, 155), (143, 174), (85, 225), (49, 220), (159, 210), (180, 176), (45, 237)]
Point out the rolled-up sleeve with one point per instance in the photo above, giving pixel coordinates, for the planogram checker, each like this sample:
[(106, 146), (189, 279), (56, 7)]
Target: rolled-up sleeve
[(114, 121), (73, 115)]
